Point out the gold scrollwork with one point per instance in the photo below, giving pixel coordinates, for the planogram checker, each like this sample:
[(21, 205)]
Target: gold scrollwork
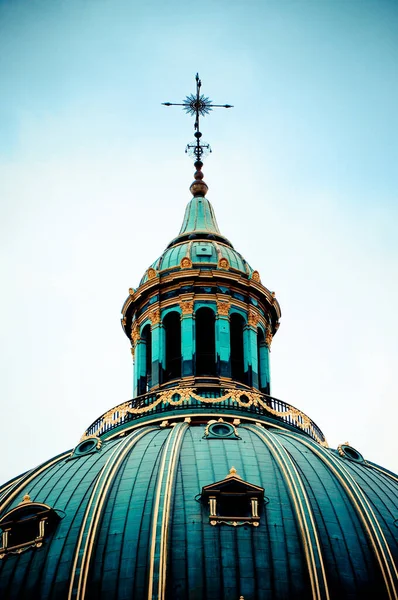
[(184, 394), (223, 307), (151, 273)]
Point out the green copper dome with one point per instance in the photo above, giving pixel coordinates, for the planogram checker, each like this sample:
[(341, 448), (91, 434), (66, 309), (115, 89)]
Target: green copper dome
[(135, 520), (202, 486), (200, 220), (201, 242)]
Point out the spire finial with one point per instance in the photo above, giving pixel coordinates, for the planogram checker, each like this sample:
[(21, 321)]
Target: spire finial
[(198, 105)]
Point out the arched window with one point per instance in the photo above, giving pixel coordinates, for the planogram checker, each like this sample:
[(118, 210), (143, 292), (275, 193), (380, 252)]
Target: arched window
[(262, 362), (147, 338), (172, 327), (205, 342), (237, 324)]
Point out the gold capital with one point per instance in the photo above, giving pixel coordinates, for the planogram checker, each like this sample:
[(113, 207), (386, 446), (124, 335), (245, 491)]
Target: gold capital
[(253, 318), (154, 316), (186, 307), (223, 307)]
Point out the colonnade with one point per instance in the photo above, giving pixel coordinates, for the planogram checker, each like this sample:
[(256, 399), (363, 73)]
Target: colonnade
[(201, 339)]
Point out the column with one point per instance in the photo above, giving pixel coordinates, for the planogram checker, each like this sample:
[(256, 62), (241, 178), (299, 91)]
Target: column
[(223, 339), (140, 366), (135, 338), (268, 341), (158, 351), (250, 348), (187, 338)]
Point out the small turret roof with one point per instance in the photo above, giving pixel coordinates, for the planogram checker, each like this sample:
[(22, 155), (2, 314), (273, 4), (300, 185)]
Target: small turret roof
[(199, 223), (200, 240)]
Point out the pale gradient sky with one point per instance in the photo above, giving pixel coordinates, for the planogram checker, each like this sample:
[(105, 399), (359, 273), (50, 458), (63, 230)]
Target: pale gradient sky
[(94, 182)]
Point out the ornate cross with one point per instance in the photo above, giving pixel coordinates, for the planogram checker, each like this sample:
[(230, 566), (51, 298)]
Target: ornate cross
[(198, 105)]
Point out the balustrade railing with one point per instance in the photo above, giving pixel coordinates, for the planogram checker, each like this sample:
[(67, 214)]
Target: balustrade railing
[(178, 399)]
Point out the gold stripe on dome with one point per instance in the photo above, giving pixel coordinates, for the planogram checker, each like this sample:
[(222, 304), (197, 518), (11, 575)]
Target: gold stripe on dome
[(7, 485), (296, 417), (93, 513), (304, 517), (166, 509), (9, 494), (364, 511), (155, 512), (384, 471)]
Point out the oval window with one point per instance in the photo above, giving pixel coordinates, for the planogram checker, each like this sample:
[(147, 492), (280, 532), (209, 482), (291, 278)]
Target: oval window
[(86, 446), (221, 429), (351, 453)]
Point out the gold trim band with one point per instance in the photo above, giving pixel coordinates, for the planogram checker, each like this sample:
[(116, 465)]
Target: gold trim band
[(313, 553), (365, 513)]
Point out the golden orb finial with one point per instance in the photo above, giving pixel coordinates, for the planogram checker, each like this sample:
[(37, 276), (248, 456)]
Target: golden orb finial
[(198, 187)]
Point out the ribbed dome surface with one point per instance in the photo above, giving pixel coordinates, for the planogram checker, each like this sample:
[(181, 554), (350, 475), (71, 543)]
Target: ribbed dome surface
[(201, 253), (134, 525), (199, 216), (201, 241)]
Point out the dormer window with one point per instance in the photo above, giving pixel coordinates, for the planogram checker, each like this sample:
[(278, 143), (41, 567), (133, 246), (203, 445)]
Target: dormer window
[(26, 526), (233, 501)]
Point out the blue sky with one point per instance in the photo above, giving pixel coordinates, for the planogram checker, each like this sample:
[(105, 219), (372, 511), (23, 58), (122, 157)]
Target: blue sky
[(94, 181)]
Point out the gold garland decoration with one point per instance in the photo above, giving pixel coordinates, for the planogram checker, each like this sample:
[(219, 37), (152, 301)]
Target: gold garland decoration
[(185, 394)]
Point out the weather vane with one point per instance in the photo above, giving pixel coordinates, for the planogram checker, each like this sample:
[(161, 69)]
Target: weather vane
[(199, 106)]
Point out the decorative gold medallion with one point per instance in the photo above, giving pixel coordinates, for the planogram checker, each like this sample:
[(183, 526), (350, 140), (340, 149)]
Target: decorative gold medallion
[(151, 273), (186, 263), (256, 277), (223, 263)]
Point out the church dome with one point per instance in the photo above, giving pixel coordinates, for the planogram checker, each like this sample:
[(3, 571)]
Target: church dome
[(202, 486), (209, 507)]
